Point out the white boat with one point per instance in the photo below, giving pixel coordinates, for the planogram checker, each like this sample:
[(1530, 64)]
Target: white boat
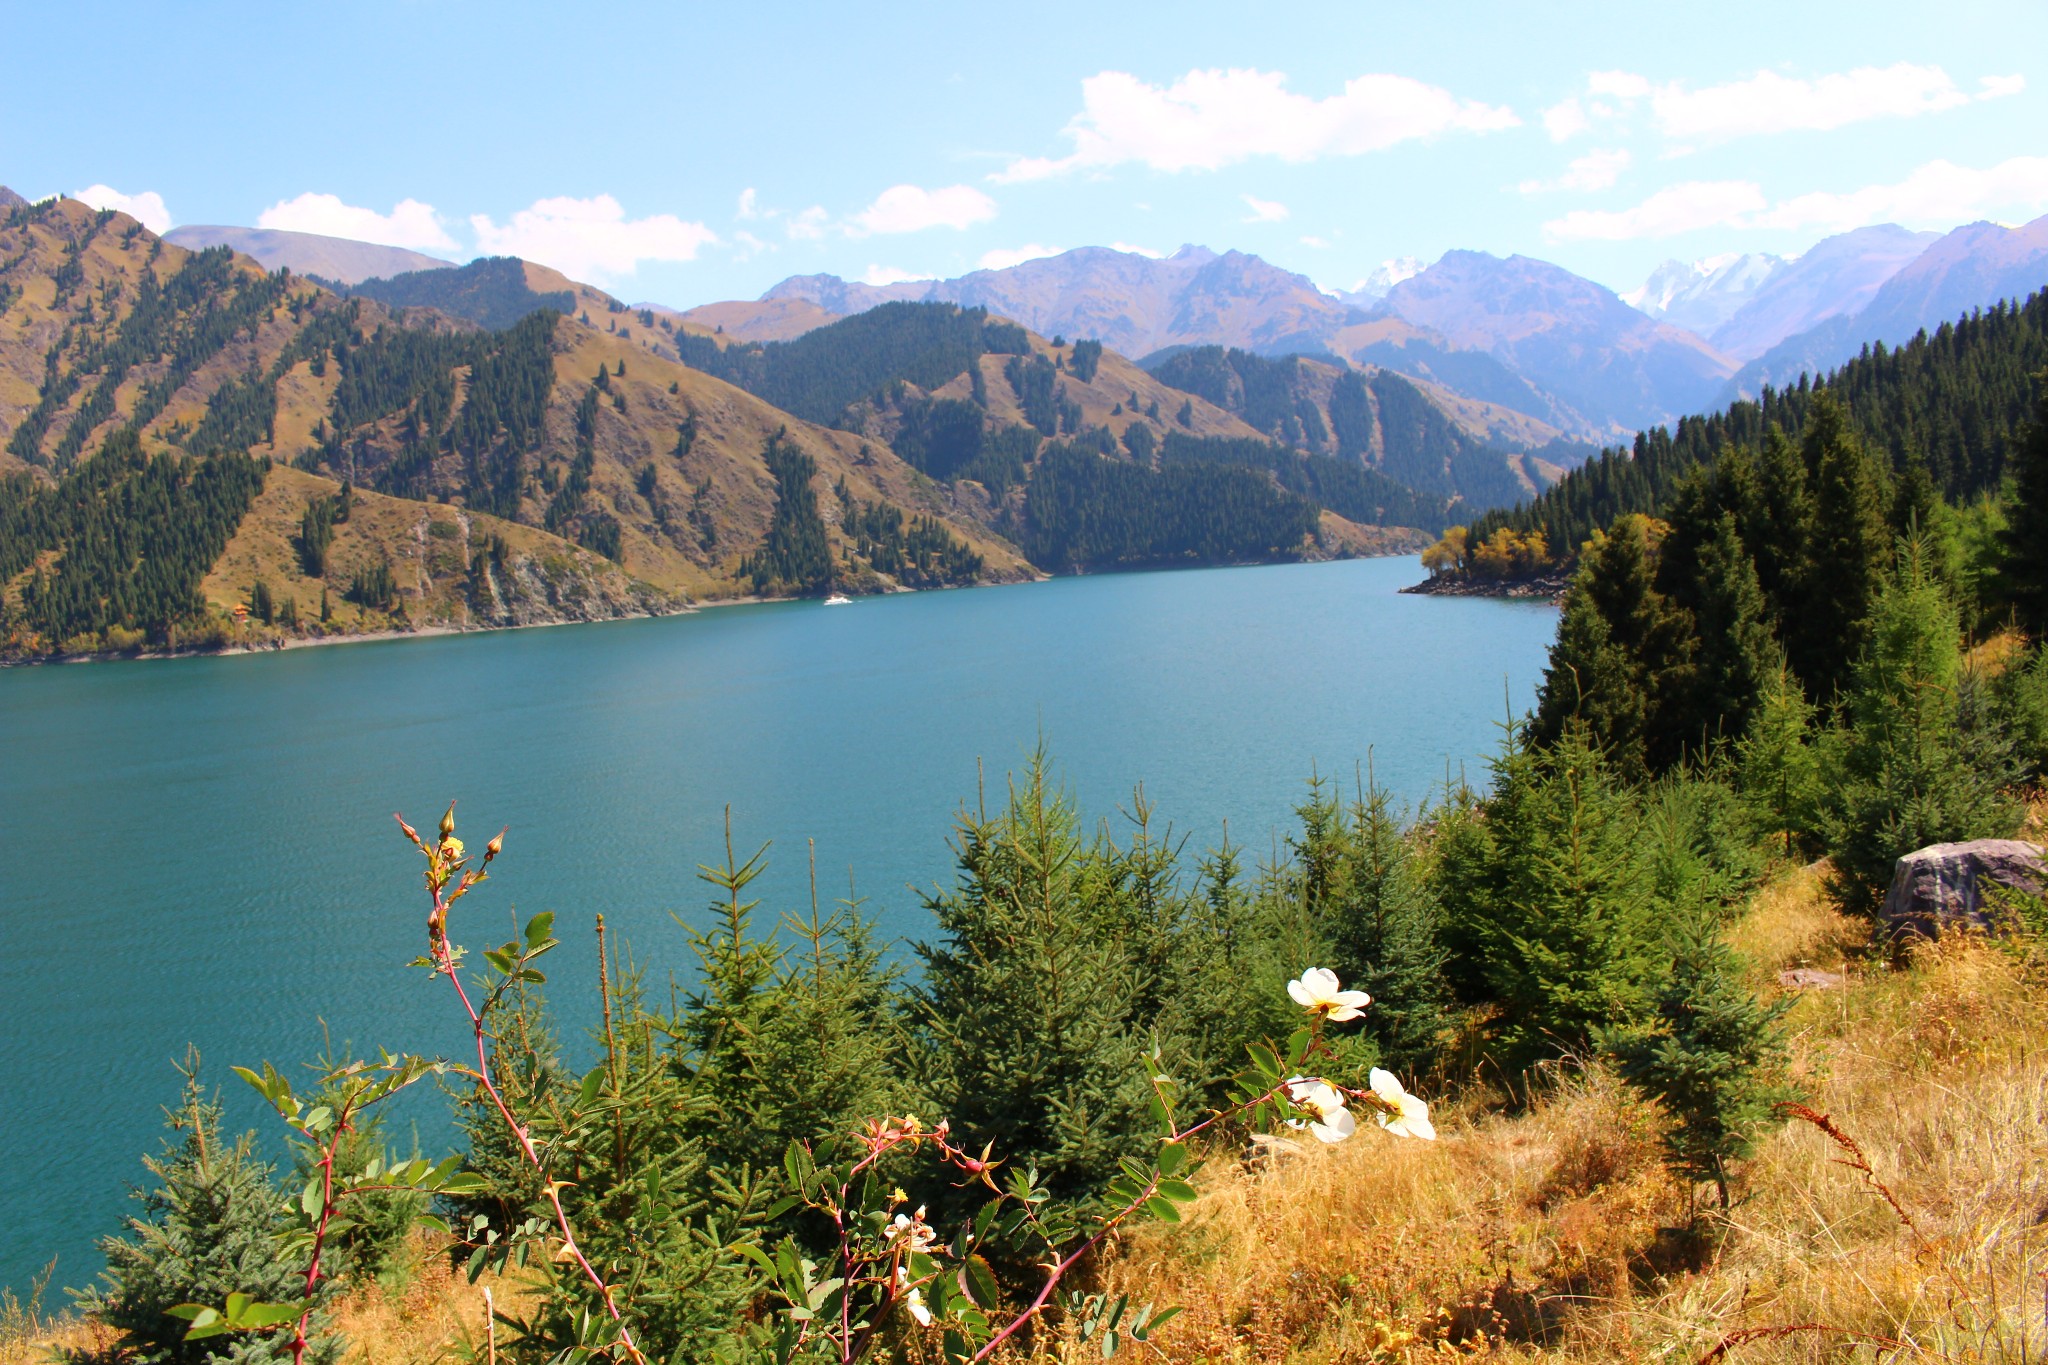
[(839, 599)]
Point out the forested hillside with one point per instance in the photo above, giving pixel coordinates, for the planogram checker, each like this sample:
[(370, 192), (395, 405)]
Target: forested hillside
[(645, 483), (1374, 417), (1951, 403)]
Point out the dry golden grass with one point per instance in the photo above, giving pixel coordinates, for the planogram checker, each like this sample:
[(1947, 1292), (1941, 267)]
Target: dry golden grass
[(434, 1313), (1556, 1234)]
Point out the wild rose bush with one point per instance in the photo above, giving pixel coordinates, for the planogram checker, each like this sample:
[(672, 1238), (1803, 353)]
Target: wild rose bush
[(889, 1275)]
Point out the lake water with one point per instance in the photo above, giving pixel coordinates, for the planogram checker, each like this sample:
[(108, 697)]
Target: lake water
[(200, 852)]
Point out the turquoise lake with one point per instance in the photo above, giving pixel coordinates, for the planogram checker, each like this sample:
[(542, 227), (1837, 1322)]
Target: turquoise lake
[(200, 852)]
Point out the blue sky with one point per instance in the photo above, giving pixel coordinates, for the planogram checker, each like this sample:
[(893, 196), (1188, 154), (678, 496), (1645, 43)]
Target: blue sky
[(684, 153)]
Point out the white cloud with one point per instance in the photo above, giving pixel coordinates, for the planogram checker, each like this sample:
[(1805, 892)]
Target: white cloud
[(1318, 243), (1768, 102), (590, 239), (1264, 210), (1593, 171), (748, 205), (1621, 85), (889, 274), (1936, 195), (146, 208), (1565, 120), (809, 225), (911, 208), (1213, 118), (1668, 212), (410, 224), (1145, 251), (1004, 258)]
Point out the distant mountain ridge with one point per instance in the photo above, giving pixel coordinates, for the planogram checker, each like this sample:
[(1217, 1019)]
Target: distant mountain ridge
[(1702, 295), (307, 253), (1973, 267), (1620, 368)]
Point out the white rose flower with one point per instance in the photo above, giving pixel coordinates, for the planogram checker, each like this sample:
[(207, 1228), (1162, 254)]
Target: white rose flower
[(1411, 1118), (1332, 1122), (1316, 990)]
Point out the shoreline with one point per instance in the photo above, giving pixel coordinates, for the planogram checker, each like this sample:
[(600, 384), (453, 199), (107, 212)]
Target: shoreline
[(688, 608)]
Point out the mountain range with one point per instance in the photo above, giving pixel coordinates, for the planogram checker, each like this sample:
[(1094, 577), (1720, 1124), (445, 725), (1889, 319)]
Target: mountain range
[(1518, 335), (195, 450)]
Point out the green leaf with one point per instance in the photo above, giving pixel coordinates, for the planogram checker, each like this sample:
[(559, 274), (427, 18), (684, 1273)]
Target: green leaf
[(754, 1254), (592, 1082), (1179, 1191), (979, 1281), (261, 1315), (537, 929), (1162, 1209), (1159, 1320), (1173, 1158)]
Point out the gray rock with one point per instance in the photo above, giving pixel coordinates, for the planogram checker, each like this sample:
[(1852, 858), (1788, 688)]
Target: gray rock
[(1810, 979), (1943, 886)]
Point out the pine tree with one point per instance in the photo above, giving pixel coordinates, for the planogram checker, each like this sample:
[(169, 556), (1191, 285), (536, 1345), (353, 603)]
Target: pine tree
[(209, 1229), (2025, 573), (1027, 995), (1712, 1056), (1383, 933), (1777, 768), (1550, 897), (1851, 546), (1620, 658), (1734, 644), (1900, 773)]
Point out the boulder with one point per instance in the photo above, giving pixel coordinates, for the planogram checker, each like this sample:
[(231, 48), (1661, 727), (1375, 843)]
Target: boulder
[(1943, 886)]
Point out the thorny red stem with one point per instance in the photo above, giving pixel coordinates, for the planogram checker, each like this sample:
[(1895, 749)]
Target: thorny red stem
[(444, 962), (299, 1339)]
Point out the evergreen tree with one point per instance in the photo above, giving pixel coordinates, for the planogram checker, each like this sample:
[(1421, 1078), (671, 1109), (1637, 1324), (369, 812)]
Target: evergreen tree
[(2026, 535), (1551, 899), (1712, 1056), (1620, 658), (1778, 769), (1900, 773), (1851, 546), (1382, 926), (795, 556), (209, 1229), (1734, 647), (1028, 995)]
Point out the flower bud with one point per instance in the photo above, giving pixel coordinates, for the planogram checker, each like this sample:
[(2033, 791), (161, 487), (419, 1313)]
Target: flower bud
[(448, 821), (495, 846)]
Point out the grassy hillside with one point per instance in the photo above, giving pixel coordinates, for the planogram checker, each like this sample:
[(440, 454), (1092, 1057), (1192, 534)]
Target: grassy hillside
[(1556, 1234)]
